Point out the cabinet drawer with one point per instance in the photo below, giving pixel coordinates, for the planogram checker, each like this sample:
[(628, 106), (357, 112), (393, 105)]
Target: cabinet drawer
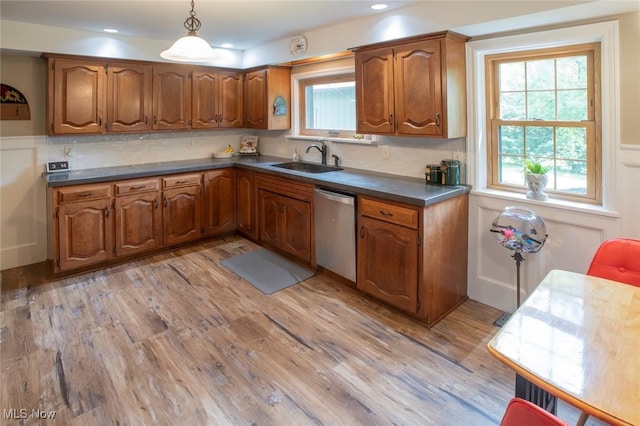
[(392, 213), (83, 192), (181, 180), (136, 186)]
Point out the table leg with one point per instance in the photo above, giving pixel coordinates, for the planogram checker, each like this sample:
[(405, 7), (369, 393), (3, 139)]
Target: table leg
[(527, 390)]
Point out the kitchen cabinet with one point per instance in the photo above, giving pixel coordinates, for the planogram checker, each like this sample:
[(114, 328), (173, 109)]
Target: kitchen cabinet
[(414, 258), (171, 97), (219, 201), (217, 100), (129, 97), (76, 101), (138, 216), (413, 87), (387, 263), (83, 223), (245, 203), (285, 216), (267, 102), (182, 208)]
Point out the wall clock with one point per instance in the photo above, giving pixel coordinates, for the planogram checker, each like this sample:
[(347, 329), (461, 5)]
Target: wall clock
[(298, 45)]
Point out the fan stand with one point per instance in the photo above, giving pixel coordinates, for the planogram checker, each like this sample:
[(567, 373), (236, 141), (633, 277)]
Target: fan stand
[(517, 256)]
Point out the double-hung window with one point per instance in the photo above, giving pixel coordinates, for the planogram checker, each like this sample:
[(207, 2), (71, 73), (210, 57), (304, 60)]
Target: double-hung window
[(544, 105), (327, 106)]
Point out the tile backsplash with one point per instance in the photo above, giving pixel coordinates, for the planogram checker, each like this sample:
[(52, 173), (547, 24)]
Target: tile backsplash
[(406, 156)]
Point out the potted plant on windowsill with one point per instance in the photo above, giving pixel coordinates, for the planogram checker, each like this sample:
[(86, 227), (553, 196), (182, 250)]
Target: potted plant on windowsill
[(536, 178)]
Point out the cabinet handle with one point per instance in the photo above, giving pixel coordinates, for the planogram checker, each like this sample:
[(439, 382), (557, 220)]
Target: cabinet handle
[(438, 119), (155, 119), (85, 194), (166, 202), (107, 210), (182, 181), (362, 232), (100, 120), (384, 213), (145, 120), (133, 188), (157, 203), (390, 118)]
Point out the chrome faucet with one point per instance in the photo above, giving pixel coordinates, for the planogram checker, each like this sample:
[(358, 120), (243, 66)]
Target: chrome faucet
[(322, 150)]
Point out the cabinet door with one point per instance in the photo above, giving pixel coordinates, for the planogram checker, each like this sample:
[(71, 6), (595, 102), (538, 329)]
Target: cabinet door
[(269, 222), (171, 98), (374, 91), (78, 102), (256, 100), (418, 90), (85, 233), (129, 97), (182, 214), (230, 102), (138, 223), (388, 263), (206, 92), (245, 203), (219, 201), (296, 227)]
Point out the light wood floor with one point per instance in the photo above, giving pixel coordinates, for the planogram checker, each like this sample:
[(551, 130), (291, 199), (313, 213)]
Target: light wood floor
[(177, 339)]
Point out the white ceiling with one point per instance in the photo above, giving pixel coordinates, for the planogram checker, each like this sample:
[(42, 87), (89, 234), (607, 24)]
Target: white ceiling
[(244, 23)]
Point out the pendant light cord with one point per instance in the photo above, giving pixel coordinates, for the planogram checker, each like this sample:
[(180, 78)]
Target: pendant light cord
[(192, 23)]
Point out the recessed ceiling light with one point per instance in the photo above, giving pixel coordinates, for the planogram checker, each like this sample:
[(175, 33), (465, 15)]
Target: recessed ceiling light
[(378, 6), (227, 45), (109, 30)]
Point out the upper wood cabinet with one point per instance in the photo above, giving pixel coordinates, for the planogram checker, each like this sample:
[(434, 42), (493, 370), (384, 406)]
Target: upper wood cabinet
[(415, 87), (76, 96), (129, 97), (217, 99), (171, 97), (268, 98)]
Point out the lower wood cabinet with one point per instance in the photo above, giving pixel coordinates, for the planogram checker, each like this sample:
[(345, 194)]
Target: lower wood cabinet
[(219, 201), (285, 216), (182, 209), (138, 216), (245, 203), (85, 230), (414, 258)]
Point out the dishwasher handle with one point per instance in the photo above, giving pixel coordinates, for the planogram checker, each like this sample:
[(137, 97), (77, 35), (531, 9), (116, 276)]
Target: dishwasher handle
[(335, 196)]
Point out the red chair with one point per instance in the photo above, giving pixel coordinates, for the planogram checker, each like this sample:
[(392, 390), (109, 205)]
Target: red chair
[(524, 413), (618, 260)]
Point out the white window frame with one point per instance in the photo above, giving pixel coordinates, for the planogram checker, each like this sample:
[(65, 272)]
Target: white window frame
[(295, 106), (604, 32)]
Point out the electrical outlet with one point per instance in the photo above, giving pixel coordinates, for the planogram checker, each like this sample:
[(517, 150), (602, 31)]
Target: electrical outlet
[(57, 166), (385, 151)]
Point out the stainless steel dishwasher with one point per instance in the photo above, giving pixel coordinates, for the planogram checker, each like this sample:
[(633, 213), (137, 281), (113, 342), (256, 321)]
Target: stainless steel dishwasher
[(335, 226)]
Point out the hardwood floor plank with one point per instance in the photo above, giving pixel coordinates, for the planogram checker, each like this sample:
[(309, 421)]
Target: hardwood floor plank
[(178, 339)]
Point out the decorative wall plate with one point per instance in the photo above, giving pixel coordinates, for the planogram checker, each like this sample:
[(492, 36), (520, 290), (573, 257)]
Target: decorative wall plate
[(14, 104)]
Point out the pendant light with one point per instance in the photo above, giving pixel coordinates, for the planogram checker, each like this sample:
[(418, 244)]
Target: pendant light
[(190, 48)]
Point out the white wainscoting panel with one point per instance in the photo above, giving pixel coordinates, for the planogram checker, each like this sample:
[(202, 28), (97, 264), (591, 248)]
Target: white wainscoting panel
[(573, 237), (23, 235)]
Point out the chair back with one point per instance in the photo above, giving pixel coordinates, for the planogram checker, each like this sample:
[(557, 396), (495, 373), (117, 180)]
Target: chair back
[(520, 412), (618, 260)]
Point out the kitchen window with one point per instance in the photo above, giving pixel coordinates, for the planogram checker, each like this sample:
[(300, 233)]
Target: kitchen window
[(544, 105), (327, 106)]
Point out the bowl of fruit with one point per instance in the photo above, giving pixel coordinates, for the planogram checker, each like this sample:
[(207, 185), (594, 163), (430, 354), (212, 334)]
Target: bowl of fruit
[(225, 153)]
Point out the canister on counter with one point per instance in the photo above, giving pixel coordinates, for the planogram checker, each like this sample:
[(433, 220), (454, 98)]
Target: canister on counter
[(432, 173), (450, 172)]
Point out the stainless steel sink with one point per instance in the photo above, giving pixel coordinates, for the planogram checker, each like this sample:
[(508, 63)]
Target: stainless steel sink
[(307, 167)]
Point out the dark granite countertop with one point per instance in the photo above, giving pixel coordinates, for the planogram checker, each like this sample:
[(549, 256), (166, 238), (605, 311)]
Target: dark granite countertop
[(388, 186)]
